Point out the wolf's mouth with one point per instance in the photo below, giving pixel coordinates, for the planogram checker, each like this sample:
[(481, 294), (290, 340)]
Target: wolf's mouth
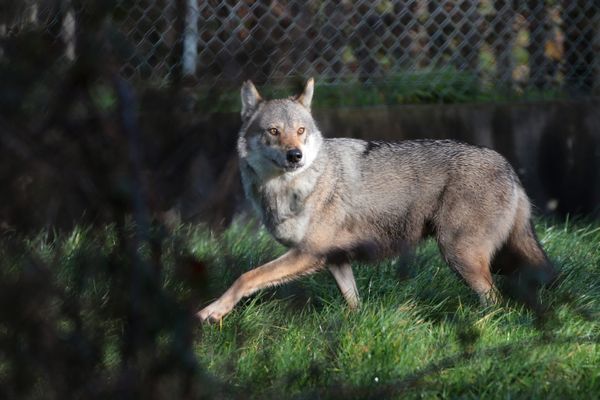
[(292, 167), (287, 167)]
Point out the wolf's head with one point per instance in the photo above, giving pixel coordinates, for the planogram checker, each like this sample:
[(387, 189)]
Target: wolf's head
[(278, 136)]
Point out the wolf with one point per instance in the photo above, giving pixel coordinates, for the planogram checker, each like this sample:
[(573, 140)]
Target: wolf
[(333, 201)]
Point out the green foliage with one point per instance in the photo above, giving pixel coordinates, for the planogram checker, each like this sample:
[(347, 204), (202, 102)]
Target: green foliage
[(446, 85)]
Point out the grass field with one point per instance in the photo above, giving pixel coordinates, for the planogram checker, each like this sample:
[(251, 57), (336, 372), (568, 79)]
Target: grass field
[(419, 334), (423, 335)]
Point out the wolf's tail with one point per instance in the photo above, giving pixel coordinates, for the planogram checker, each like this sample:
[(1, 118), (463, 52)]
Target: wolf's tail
[(522, 256)]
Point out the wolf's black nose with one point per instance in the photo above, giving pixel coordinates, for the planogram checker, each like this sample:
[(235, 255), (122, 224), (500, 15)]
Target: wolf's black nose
[(294, 155)]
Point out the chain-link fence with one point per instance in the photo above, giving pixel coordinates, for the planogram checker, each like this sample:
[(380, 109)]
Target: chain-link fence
[(466, 46)]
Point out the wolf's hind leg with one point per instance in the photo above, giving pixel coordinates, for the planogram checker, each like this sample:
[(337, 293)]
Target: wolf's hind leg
[(472, 263), (345, 280)]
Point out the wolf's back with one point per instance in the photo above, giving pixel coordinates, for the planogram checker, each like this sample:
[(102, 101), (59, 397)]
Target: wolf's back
[(403, 189), (417, 169)]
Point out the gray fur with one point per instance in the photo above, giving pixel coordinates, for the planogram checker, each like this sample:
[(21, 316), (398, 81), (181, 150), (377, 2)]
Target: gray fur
[(352, 199)]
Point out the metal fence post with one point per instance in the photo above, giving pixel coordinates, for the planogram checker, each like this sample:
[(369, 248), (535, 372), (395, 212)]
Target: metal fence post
[(190, 39)]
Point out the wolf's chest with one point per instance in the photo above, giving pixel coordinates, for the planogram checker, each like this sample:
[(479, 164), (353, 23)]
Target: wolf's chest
[(283, 208)]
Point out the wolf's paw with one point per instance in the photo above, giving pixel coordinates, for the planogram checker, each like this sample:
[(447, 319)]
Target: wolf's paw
[(213, 312), (489, 298)]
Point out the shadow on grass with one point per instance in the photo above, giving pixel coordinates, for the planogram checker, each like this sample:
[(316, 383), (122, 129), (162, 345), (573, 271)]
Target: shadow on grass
[(417, 380)]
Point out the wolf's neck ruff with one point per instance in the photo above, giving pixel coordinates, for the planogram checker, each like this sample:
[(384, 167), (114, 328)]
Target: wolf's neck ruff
[(282, 200)]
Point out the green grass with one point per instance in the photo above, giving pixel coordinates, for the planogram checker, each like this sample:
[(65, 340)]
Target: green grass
[(425, 336), (418, 335)]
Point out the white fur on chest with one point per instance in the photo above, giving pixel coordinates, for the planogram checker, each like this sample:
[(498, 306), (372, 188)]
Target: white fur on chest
[(282, 203)]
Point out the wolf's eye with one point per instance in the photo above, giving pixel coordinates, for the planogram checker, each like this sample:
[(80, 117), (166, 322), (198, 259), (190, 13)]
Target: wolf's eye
[(273, 131), (300, 130)]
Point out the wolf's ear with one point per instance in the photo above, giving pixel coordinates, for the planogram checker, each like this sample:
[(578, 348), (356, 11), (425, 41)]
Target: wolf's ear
[(250, 99), (306, 97)]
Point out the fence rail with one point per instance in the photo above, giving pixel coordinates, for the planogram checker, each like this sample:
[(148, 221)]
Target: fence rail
[(525, 46)]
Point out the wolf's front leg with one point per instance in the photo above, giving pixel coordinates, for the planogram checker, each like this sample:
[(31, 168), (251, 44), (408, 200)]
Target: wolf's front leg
[(345, 280), (292, 264)]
